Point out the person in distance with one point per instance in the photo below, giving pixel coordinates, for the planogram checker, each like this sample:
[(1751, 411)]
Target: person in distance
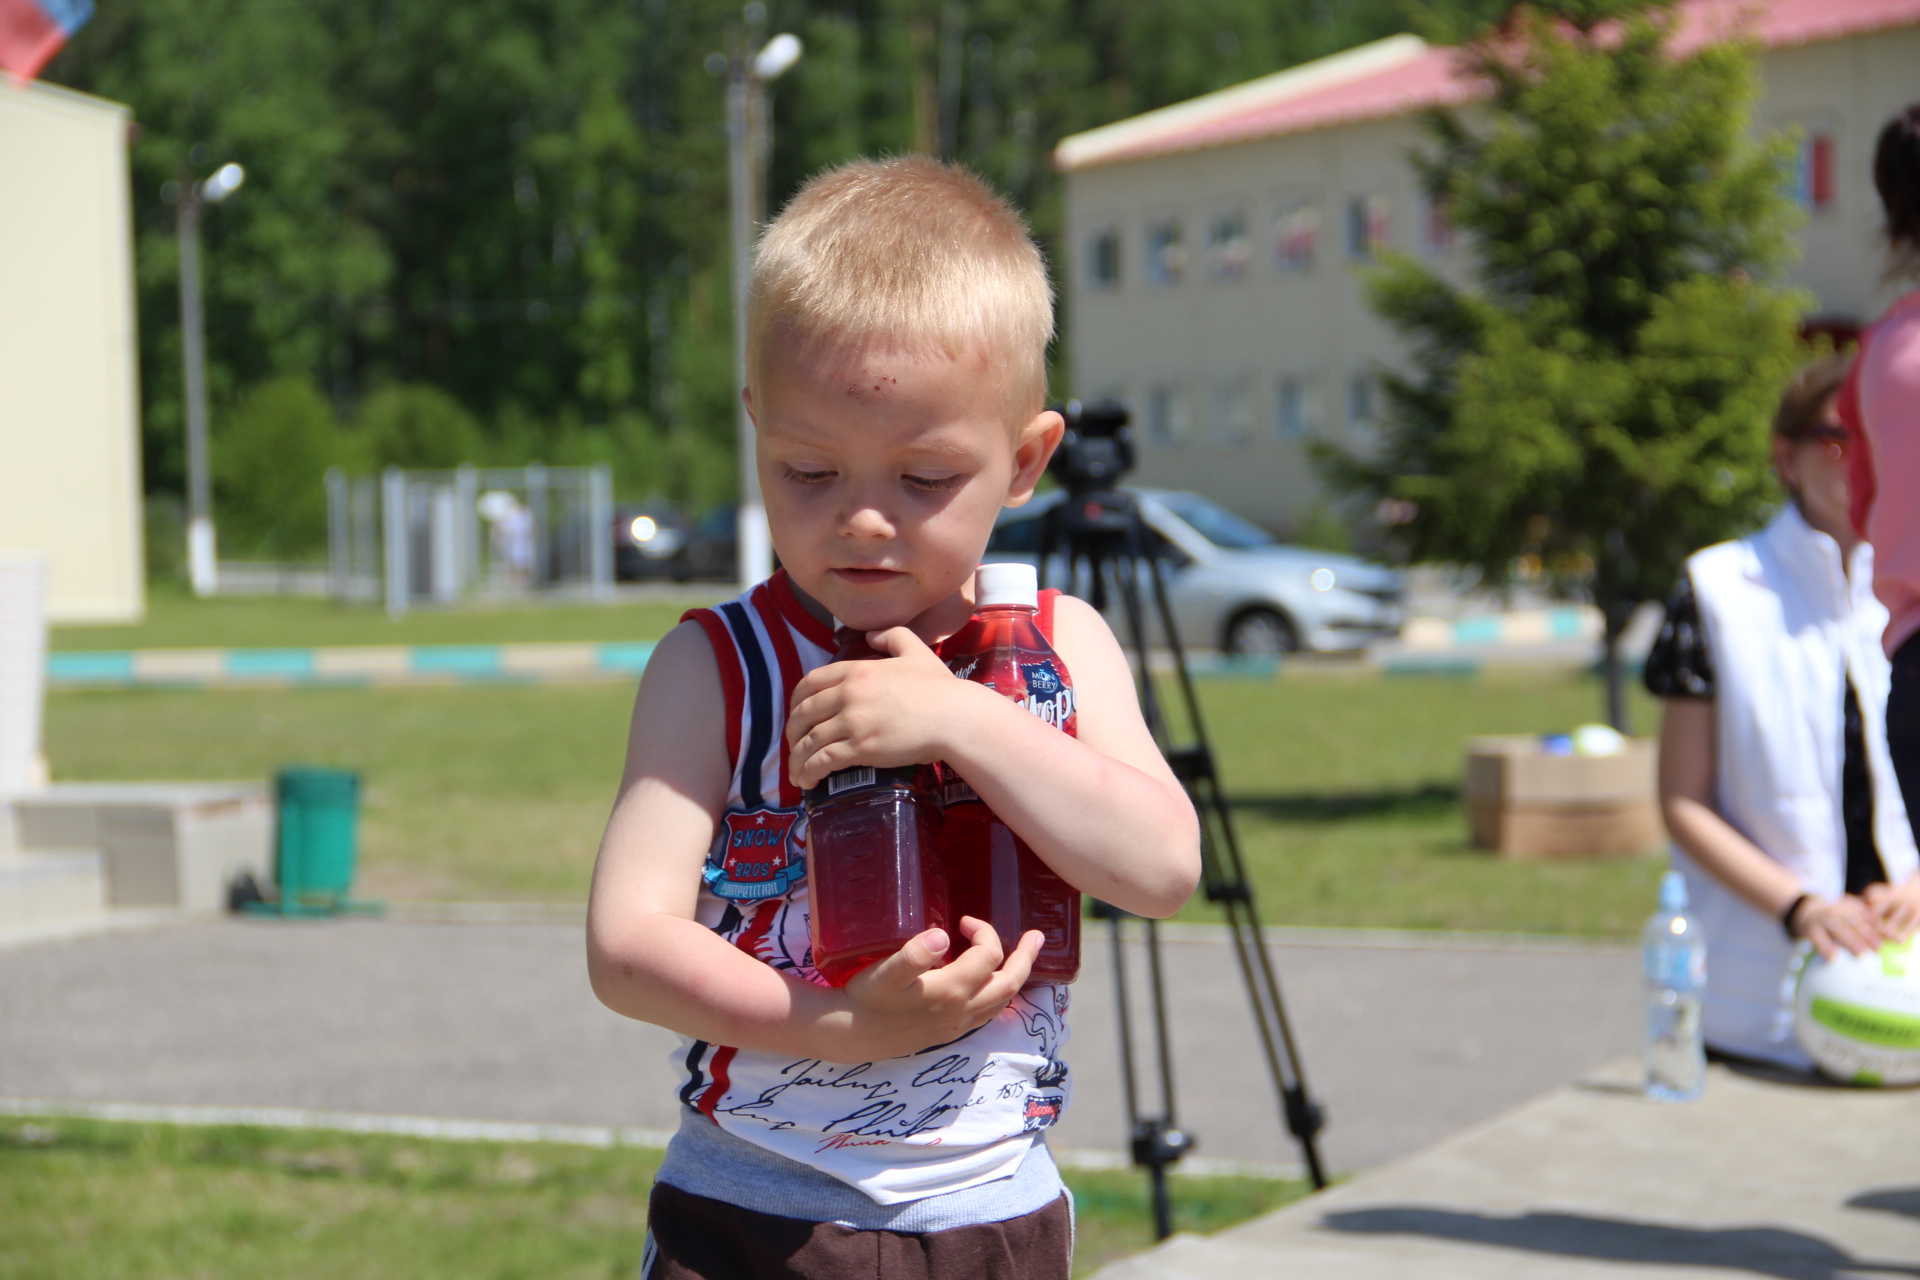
[(1775, 778)]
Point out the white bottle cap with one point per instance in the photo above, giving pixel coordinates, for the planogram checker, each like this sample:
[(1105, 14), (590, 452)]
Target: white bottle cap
[(1017, 584)]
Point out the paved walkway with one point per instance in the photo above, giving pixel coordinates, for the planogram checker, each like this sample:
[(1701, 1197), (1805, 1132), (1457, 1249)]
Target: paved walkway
[(1793, 1181), (1406, 1040)]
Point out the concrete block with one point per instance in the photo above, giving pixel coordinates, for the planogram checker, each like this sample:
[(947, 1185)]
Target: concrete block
[(163, 844), (38, 888)]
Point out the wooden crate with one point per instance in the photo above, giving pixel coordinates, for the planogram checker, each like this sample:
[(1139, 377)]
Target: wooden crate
[(1524, 803)]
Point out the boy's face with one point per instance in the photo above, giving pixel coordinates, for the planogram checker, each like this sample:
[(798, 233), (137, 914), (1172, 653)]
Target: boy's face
[(882, 473)]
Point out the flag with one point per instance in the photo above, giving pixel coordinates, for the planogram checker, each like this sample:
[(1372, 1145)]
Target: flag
[(31, 31)]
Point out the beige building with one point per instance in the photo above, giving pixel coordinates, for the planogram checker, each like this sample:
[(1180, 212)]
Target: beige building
[(1217, 246), (69, 395)]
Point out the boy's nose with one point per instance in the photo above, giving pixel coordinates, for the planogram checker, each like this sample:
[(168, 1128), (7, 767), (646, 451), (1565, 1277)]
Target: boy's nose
[(868, 522)]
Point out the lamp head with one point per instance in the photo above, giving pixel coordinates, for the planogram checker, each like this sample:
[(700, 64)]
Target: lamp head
[(225, 181), (777, 56)]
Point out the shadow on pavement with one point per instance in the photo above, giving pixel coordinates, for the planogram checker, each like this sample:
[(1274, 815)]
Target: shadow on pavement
[(1904, 1201), (1767, 1251)]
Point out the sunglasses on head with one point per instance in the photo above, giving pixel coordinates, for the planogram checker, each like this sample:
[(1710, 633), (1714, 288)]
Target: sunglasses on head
[(1835, 439)]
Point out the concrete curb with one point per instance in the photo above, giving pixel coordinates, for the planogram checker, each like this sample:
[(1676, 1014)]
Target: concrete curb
[(347, 665), (445, 1130)]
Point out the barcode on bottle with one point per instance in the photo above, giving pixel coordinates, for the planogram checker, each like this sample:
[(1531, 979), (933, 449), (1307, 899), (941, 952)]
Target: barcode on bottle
[(848, 779)]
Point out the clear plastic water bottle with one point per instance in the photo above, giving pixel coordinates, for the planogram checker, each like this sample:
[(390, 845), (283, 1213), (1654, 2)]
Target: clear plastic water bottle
[(1676, 971)]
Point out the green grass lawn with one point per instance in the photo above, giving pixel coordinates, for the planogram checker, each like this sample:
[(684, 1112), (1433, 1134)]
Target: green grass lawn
[(1346, 786), (176, 620), (112, 1201)]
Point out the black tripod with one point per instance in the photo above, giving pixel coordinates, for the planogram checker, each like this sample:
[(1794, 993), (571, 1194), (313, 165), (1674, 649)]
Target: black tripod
[(1105, 544)]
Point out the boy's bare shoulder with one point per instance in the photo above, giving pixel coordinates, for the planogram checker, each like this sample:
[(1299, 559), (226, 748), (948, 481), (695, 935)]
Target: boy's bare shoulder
[(1077, 623), (681, 688)]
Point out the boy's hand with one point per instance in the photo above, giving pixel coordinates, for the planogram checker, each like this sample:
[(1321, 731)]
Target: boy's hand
[(884, 712), (903, 1004)]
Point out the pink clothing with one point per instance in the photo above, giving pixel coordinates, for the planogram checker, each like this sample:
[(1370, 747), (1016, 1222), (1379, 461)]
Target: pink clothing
[(1880, 405)]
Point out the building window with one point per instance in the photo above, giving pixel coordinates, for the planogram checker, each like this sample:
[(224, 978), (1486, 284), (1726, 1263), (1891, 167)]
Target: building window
[(1163, 415), (1103, 259), (1362, 400), (1227, 412), (1228, 253), (1296, 229), (1293, 416), (1813, 184), (1366, 226), (1436, 225), (1166, 252)]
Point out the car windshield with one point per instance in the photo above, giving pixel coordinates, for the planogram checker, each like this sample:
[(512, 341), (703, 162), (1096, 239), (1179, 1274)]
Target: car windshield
[(1214, 523)]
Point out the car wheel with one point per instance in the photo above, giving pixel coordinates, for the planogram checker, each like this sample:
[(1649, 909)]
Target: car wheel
[(1261, 633)]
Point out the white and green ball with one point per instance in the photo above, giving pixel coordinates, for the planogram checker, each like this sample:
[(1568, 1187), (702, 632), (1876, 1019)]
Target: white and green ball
[(1858, 1017)]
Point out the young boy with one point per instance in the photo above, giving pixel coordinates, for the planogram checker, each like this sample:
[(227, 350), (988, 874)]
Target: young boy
[(896, 349)]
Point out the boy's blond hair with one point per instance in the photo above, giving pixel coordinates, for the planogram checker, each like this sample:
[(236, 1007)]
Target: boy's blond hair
[(911, 255)]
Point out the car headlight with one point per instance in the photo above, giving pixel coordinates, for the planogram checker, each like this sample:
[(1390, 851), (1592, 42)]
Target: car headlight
[(643, 528), (1322, 579)]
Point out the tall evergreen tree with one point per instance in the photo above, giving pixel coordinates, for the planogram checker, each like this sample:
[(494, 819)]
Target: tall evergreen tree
[(1595, 400)]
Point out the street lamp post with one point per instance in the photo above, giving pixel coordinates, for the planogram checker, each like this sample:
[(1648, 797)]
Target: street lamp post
[(749, 137), (188, 199)]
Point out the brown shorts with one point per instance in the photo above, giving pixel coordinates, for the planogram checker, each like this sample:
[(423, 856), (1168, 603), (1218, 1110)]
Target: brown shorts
[(694, 1238)]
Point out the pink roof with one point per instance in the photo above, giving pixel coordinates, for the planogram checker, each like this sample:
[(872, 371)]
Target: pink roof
[(1410, 77)]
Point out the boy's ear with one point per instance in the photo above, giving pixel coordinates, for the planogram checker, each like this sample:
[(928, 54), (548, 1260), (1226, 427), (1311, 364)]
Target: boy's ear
[(1038, 440), (746, 398)]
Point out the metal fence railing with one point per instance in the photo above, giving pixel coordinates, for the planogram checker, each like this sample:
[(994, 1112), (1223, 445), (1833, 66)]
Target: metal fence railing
[(415, 538)]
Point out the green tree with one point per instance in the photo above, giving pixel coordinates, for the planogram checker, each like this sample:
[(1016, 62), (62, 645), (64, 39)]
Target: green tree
[(270, 458), (1597, 397), (416, 425), (523, 202)]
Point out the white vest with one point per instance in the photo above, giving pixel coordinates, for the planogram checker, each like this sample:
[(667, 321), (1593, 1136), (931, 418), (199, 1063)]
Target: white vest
[(1785, 627)]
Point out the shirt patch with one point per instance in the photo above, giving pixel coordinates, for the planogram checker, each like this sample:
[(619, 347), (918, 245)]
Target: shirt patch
[(759, 854)]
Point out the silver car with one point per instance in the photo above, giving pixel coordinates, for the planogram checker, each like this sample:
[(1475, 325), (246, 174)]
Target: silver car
[(1230, 585)]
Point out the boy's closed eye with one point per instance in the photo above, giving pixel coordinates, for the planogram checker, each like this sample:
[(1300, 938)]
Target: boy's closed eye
[(935, 484)]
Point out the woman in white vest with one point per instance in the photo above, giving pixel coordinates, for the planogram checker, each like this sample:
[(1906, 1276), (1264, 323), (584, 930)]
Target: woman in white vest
[(1775, 779)]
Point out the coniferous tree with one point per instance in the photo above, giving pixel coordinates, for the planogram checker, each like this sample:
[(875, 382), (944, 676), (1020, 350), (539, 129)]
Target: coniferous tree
[(1595, 400)]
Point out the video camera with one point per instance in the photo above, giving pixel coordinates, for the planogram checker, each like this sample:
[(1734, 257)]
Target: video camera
[(1097, 449)]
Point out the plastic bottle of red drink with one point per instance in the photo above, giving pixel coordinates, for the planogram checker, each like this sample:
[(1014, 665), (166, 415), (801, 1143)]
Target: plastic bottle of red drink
[(991, 874), (873, 857)]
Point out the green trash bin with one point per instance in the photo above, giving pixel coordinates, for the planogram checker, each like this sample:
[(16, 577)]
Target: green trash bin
[(319, 818)]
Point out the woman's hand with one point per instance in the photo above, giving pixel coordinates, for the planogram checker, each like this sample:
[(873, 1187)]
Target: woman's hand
[(1832, 923), (1896, 908)]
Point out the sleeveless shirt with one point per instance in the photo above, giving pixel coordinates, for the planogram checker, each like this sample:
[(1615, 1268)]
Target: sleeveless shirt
[(949, 1117)]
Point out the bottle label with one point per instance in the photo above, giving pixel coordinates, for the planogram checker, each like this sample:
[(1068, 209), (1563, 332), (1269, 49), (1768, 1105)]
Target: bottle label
[(850, 779), (1676, 967), (957, 792), (756, 855), (1048, 696)]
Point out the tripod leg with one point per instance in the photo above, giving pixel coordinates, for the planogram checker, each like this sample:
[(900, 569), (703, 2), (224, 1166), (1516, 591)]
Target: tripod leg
[(1162, 1039), (1162, 1203), (1228, 885), (1123, 1007)]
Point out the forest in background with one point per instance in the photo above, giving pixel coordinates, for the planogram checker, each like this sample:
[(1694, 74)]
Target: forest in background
[(495, 230)]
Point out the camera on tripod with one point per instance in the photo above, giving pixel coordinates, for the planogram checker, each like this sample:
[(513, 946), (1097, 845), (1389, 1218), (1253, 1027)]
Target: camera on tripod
[(1099, 537), (1097, 449)]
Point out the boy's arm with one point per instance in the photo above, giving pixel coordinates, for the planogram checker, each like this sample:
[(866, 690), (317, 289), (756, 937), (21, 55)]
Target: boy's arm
[(1103, 810), (647, 956)]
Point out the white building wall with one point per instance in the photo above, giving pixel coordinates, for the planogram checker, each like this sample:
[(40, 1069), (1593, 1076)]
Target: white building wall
[(1138, 339), (69, 434)]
